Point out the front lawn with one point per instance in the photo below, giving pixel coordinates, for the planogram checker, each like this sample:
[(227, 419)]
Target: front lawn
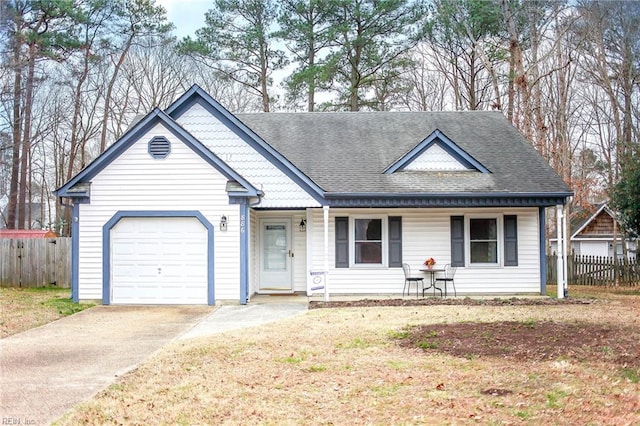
[(560, 364), (25, 308)]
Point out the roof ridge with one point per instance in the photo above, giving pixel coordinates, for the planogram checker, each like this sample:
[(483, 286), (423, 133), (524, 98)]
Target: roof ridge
[(470, 112)]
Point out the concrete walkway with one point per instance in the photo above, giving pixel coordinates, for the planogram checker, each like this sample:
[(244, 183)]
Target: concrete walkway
[(233, 317)]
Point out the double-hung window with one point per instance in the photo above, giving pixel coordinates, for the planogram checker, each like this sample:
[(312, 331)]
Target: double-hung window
[(367, 241), (483, 240)]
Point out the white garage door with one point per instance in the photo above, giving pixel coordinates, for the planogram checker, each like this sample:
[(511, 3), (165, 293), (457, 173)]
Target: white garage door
[(159, 261)]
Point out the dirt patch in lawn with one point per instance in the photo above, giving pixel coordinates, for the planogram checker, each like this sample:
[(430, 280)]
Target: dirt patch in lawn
[(432, 301), (529, 340)]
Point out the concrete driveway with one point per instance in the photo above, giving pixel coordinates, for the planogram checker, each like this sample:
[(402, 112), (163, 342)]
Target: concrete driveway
[(46, 370)]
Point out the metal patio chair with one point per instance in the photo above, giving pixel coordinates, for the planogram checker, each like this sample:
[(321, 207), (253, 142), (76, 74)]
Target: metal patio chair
[(408, 279), (449, 273)]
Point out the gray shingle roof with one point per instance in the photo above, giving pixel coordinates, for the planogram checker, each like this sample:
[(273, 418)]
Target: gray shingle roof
[(349, 151)]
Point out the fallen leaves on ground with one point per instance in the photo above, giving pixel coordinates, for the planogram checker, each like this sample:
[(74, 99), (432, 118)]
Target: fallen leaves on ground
[(346, 366)]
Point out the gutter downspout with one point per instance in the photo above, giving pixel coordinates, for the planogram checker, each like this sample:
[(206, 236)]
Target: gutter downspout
[(560, 266), (244, 254), (245, 228)]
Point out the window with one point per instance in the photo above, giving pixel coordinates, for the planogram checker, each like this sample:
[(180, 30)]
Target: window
[(368, 241), (483, 240)]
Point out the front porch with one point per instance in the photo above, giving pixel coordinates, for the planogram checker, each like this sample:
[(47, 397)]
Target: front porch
[(302, 298)]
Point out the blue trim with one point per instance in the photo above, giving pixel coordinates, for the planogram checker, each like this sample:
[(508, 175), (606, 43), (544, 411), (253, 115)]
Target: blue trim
[(196, 95), (244, 254), (543, 253), (106, 246), (446, 199), (439, 138), (139, 130), (75, 252)]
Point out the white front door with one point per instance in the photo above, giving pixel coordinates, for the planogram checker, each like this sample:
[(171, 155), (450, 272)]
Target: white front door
[(275, 255)]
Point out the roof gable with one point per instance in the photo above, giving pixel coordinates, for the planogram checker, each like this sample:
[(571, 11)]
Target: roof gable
[(598, 223), (436, 153), (195, 95), (77, 186)]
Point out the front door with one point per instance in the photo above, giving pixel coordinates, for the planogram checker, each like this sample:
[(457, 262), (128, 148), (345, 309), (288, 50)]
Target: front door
[(275, 255)]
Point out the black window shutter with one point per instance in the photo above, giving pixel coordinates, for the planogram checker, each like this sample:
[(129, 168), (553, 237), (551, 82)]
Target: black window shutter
[(395, 241), (342, 242), (511, 240), (457, 240)]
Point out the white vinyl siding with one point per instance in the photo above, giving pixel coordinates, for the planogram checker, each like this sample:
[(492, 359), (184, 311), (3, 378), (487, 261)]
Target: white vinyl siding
[(181, 181), (435, 158), (280, 191), (426, 233)]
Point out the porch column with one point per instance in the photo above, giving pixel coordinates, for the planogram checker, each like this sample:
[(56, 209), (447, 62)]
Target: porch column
[(561, 263), (325, 212), (565, 251)]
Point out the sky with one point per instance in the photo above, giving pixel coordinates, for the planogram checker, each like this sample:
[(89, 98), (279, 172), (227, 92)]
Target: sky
[(186, 15)]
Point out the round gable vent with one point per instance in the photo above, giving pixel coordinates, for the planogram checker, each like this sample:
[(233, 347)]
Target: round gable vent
[(159, 147)]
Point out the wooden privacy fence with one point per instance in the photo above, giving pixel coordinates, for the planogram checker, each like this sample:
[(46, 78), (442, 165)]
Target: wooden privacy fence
[(35, 262), (596, 270)]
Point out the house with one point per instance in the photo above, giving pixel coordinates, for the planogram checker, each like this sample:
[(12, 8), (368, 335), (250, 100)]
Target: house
[(34, 214), (195, 205), (592, 234)]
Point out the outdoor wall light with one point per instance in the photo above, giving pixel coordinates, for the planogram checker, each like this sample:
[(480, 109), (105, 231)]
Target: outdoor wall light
[(303, 226), (223, 223)]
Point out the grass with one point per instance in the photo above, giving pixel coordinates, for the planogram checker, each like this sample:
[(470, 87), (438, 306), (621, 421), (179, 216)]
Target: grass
[(25, 308), (345, 366), (631, 374), (596, 292)]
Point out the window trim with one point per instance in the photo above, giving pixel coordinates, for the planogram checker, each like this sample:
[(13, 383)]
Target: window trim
[(499, 240), (384, 219)]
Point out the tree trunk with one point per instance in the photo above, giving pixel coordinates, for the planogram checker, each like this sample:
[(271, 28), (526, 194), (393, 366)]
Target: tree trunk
[(17, 135), (264, 71), (77, 105), (26, 140), (472, 79), (107, 99), (311, 102)]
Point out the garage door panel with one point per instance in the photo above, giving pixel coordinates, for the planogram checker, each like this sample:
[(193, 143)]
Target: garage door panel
[(159, 261)]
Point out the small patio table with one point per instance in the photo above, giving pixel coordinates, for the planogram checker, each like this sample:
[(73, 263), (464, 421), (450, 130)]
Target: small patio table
[(432, 272)]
